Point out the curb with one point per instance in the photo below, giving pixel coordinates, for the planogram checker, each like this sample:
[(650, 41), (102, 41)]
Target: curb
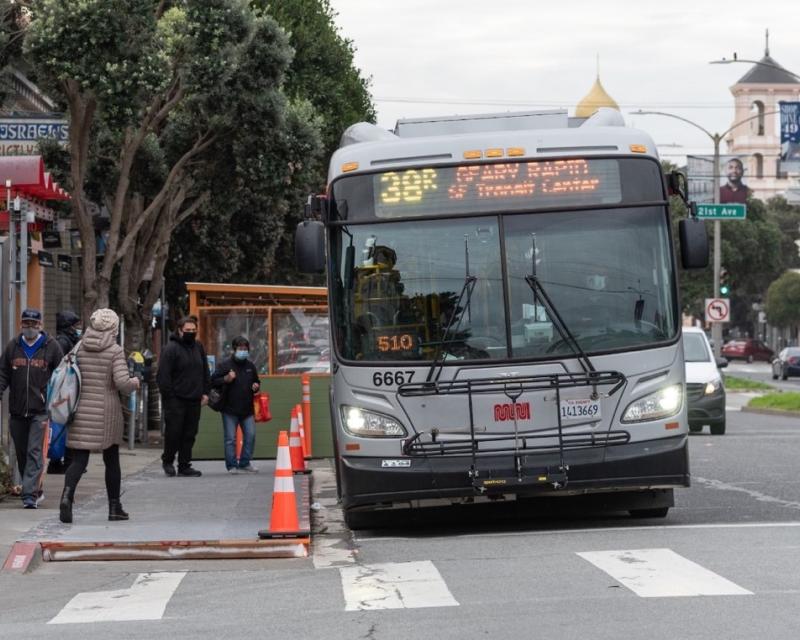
[(771, 412), (24, 557)]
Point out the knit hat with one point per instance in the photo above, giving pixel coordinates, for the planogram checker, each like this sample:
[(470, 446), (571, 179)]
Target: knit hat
[(104, 320)]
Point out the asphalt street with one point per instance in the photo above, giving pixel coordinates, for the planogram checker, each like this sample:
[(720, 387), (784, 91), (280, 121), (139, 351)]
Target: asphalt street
[(725, 563)]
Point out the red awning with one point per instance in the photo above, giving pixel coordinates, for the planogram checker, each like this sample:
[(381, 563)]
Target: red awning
[(28, 179)]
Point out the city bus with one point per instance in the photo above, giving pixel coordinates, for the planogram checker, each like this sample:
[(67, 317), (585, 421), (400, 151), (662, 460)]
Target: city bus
[(504, 312)]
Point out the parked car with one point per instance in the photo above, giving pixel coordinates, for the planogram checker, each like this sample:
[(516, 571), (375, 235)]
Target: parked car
[(705, 390), (787, 363), (747, 349)]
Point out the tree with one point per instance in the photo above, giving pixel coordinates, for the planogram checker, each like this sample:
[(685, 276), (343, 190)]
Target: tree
[(327, 94), (153, 88), (783, 300), (322, 70)]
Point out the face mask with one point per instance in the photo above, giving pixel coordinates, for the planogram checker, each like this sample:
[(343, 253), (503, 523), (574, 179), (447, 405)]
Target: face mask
[(30, 333), (188, 338), (242, 355), (78, 333)]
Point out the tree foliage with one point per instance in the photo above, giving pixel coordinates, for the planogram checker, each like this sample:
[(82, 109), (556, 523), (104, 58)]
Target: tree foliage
[(178, 123), (264, 174), (783, 300)]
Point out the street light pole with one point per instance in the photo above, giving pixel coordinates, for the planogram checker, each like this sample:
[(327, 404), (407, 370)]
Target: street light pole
[(758, 62), (716, 138)]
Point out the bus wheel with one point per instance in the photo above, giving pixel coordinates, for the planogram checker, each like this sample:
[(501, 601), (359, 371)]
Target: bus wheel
[(661, 512), (357, 520)]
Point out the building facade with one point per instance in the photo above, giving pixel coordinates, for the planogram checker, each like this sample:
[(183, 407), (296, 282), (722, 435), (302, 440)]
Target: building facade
[(757, 140)]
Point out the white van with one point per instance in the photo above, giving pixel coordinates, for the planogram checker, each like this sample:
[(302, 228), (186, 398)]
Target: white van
[(705, 390)]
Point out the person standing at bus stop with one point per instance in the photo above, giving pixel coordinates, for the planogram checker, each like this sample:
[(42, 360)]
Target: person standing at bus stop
[(25, 368), (184, 382), (98, 424), (237, 378)]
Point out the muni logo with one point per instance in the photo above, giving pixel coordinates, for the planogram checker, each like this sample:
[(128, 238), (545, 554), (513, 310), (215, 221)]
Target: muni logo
[(505, 411)]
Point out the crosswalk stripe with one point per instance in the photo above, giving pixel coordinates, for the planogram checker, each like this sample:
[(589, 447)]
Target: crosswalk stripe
[(404, 585), (661, 573), (145, 600)]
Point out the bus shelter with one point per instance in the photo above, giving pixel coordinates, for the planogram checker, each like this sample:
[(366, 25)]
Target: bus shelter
[(289, 336)]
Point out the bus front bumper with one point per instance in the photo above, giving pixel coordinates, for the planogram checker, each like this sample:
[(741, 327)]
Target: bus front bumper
[(381, 482)]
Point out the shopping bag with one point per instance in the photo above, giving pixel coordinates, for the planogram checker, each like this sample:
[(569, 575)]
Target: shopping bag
[(261, 410), (58, 441)]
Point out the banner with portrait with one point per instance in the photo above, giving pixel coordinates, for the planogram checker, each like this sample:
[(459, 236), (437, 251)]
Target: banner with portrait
[(790, 137), (731, 174)]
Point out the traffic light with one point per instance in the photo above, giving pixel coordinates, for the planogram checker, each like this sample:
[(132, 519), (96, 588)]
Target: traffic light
[(724, 282)]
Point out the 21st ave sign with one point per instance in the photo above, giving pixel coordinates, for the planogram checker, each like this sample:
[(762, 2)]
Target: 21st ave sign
[(722, 211)]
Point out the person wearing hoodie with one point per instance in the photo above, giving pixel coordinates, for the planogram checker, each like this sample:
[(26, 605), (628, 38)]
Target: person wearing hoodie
[(98, 423), (184, 382), (68, 333), (25, 368)]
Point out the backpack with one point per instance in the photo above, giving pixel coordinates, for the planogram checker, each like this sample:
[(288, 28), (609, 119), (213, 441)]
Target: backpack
[(64, 389)]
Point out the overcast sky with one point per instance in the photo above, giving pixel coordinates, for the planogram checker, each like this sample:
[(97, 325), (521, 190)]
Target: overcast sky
[(440, 57)]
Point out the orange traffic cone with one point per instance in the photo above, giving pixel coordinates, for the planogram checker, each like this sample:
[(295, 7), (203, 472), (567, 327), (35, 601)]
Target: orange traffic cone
[(296, 446), (283, 521), (301, 428)]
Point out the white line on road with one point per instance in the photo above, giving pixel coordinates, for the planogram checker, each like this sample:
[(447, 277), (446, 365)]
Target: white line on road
[(145, 600), (562, 532), (404, 585), (761, 497), (661, 573)]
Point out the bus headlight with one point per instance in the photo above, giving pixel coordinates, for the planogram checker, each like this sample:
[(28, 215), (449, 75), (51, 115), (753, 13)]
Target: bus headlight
[(660, 404), (360, 422)]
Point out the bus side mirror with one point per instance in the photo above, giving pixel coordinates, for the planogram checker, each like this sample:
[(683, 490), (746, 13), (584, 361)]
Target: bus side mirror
[(694, 243), (309, 247)]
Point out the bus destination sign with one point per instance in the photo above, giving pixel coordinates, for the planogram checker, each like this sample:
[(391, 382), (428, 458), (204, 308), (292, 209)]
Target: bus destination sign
[(495, 187)]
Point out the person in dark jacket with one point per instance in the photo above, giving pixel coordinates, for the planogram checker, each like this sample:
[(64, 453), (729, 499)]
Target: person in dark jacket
[(68, 333), (238, 378), (25, 368), (183, 380)]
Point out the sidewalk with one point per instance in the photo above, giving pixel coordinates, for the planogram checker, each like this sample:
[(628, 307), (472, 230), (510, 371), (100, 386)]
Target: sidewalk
[(15, 521), (216, 515)]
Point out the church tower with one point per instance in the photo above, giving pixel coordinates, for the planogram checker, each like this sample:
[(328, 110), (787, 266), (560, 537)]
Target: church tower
[(757, 142)]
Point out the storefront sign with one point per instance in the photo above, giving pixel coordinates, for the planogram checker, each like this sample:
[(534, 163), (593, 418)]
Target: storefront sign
[(20, 136)]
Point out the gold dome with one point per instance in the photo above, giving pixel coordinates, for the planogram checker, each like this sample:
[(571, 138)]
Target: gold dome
[(592, 101)]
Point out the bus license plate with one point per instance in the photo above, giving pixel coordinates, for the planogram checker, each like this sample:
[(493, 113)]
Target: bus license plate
[(580, 409)]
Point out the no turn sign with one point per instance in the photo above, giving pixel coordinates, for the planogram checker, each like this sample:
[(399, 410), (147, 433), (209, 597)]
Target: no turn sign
[(718, 310)]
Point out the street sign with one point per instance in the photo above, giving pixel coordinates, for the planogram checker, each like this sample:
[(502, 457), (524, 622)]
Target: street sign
[(721, 211), (718, 310)]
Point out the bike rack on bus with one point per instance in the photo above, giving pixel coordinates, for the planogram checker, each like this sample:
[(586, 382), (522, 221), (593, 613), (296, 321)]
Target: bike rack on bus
[(525, 441)]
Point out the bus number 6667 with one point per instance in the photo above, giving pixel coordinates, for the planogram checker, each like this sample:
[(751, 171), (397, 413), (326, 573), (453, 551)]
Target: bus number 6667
[(391, 378)]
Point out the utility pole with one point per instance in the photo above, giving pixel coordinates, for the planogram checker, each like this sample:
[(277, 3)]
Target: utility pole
[(12, 262), (716, 138)]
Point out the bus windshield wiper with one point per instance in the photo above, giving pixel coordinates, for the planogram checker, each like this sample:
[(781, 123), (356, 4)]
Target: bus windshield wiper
[(455, 319), (539, 293)]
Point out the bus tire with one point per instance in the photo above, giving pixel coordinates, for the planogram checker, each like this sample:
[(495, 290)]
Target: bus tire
[(358, 520), (660, 512)]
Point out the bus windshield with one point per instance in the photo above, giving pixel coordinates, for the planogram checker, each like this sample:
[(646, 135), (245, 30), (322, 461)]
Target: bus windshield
[(409, 290)]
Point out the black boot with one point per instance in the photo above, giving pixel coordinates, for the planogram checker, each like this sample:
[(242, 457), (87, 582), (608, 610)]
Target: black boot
[(115, 511), (65, 506)]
